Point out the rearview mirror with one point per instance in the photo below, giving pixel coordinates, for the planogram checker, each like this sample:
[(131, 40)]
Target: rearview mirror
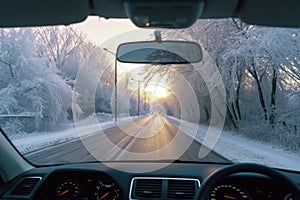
[(162, 52)]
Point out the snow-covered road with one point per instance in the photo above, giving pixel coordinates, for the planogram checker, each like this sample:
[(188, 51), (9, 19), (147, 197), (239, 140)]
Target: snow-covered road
[(230, 145), (35, 141)]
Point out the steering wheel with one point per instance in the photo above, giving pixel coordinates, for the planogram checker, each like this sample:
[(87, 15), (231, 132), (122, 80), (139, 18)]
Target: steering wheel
[(223, 173)]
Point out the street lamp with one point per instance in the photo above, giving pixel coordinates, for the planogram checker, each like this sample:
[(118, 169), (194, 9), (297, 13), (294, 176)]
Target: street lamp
[(116, 81), (139, 94), (139, 97)]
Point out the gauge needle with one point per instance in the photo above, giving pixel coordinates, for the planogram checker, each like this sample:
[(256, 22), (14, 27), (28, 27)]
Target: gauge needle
[(64, 192), (229, 197), (104, 196)]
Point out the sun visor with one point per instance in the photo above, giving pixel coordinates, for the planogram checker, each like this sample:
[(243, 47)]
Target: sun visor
[(20, 13), (270, 12)]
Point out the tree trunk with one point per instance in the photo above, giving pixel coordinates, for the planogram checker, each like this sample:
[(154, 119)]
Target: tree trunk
[(9, 66), (260, 92), (273, 98), (231, 116), (237, 100)]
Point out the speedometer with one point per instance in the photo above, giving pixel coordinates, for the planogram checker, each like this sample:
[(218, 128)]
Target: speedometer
[(228, 192), (106, 191), (68, 189)]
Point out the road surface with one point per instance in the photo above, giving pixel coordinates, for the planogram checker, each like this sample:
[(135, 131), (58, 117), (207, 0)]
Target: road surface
[(152, 137)]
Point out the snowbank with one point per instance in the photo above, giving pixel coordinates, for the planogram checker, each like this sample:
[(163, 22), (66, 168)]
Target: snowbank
[(34, 141), (241, 149)]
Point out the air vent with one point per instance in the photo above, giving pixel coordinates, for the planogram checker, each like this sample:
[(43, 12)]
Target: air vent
[(26, 186), (163, 188), (181, 189), (147, 188)]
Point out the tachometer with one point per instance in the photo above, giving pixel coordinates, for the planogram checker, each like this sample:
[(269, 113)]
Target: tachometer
[(288, 197), (68, 189), (228, 192), (106, 191)]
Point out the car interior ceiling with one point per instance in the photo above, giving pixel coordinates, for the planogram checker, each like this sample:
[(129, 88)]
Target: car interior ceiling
[(16, 13)]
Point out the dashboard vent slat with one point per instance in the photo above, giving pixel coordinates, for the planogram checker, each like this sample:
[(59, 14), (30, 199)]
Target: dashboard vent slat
[(148, 188), (26, 186), (181, 189), (160, 188)]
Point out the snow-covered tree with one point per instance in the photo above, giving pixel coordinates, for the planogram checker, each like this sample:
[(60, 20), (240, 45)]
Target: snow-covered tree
[(30, 86), (57, 43), (262, 54)]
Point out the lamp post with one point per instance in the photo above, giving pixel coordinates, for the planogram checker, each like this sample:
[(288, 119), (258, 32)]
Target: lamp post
[(116, 82), (139, 94), (139, 97)]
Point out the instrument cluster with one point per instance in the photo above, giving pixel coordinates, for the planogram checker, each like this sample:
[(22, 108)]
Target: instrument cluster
[(248, 187), (79, 186)]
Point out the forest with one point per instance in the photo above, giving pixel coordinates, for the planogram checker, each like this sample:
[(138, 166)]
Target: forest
[(38, 68), (261, 74), (259, 67)]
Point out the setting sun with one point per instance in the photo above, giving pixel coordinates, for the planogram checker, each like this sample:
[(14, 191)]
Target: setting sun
[(160, 92), (157, 91)]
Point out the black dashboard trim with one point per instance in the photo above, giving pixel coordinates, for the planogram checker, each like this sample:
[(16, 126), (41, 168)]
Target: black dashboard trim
[(123, 179)]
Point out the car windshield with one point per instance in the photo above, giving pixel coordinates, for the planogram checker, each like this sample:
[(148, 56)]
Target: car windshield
[(64, 98)]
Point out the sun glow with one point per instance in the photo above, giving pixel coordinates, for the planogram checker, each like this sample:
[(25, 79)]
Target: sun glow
[(156, 91)]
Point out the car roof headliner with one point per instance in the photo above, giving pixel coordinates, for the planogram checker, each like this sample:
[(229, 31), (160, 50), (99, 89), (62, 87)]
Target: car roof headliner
[(22, 13)]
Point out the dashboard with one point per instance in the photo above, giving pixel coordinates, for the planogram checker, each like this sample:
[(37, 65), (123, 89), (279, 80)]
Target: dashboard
[(97, 181), (76, 184)]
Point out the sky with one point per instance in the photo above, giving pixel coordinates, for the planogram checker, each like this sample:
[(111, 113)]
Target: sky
[(101, 30), (110, 33)]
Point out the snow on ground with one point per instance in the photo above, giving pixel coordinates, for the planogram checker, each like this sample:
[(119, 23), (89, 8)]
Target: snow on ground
[(230, 145), (27, 143), (241, 149)]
